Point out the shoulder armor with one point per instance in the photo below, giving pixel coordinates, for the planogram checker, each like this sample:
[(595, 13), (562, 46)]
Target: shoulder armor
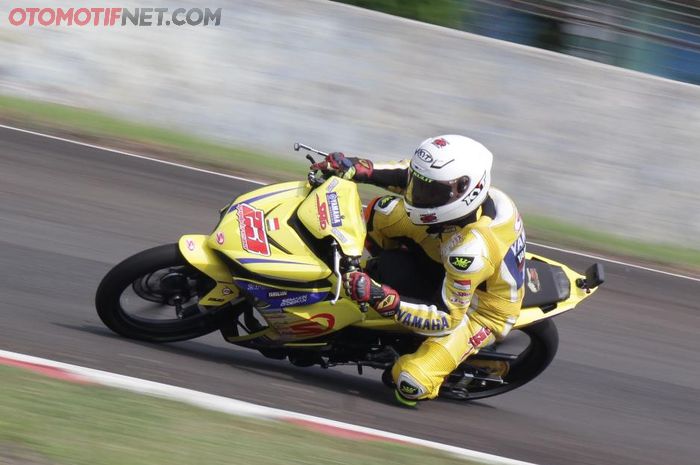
[(464, 252), (385, 205)]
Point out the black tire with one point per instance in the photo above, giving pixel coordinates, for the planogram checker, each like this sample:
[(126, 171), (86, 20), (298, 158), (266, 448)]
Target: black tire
[(544, 342), (121, 277)]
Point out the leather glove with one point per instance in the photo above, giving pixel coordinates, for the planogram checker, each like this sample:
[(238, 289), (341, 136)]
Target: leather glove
[(352, 168), (361, 288)]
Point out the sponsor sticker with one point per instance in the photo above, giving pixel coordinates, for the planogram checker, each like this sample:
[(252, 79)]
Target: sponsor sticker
[(322, 211), (476, 191), (461, 262), (292, 301), (334, 207), (332, 185), (463, 284), (533, 280), (428, 218), (253, 236), (339, 235), (316, 324), (226, 291), (190, 245), (220, 238), (424, 155)]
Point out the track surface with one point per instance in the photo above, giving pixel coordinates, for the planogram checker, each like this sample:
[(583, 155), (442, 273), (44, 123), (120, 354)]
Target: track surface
[(623, 389)]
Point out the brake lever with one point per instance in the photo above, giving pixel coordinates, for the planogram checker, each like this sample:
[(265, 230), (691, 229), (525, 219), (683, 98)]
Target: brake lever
[(336, 272)]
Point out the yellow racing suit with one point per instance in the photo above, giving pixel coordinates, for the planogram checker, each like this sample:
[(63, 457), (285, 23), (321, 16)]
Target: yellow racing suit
[(482, 291)]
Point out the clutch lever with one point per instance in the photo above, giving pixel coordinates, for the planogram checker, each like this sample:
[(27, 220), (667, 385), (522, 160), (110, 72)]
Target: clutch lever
[(298, 146)]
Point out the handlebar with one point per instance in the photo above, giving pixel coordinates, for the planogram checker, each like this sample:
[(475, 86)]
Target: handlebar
[(314, 178)]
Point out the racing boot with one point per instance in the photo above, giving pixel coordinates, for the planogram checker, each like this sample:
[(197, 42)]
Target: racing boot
[(401, 400)]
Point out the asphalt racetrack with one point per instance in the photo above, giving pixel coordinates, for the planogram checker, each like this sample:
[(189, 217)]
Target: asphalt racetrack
[(622, 390)]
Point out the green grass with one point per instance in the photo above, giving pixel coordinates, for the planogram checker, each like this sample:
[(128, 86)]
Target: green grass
[(547, 229), (47, 421), (164, 143), (94, 126)]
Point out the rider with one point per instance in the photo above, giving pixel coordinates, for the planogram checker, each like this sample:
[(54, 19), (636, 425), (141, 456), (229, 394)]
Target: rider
[(451, 246)]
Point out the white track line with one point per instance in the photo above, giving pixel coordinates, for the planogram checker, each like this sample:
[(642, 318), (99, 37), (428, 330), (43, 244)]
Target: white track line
[(617, 262), (237, 407), (143, 157), (262, 183)]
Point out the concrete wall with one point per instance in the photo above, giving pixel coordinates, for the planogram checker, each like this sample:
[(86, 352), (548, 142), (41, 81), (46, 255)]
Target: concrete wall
[(608, 148)]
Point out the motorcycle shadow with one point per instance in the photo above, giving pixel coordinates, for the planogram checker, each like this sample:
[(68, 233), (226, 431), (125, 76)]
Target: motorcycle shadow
[(275, 373)]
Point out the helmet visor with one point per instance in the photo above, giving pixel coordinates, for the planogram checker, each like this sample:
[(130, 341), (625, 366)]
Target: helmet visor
[(423, 192)]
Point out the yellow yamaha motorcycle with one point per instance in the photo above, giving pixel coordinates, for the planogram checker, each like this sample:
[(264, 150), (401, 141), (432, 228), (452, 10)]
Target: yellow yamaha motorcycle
[(269, 278)]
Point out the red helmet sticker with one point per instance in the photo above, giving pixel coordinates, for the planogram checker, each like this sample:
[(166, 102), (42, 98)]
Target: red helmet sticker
[(428, 218), (440, 142)]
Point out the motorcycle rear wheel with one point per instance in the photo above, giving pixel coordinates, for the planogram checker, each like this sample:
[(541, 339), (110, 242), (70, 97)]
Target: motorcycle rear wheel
[(530, 363), (144, 275)]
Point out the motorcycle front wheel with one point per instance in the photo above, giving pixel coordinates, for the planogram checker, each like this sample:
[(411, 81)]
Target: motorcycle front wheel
[(154, 296)]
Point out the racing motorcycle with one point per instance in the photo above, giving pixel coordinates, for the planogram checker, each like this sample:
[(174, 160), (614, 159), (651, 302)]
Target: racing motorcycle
[(269, 278)]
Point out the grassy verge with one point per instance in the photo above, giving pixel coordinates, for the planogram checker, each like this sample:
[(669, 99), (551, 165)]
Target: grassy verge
[(163, 143), (96, 127), (564, 234), (43, 421)]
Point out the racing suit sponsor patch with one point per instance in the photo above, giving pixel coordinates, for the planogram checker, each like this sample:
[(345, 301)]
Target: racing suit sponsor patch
[(386, 204), (477, 339), (409, 387), (406, 318), (461, 262)]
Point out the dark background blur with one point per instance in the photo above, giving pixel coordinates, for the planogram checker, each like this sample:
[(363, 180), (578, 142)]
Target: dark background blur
[(660, 37)]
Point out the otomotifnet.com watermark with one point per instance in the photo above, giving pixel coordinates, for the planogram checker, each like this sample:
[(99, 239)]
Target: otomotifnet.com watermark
[(114, 17)]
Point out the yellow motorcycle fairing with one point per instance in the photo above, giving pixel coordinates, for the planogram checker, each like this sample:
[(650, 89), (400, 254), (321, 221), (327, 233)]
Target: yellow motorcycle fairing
[(195, 250), (260, 231), (256, 233), (334, 209)]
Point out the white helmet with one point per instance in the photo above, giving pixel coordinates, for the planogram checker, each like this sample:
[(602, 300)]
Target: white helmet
[(449, 177)]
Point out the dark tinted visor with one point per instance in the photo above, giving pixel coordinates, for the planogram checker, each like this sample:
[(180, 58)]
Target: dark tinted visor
[(423, 192)]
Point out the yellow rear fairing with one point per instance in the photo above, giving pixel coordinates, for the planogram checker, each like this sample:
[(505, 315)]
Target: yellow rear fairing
[(533, 314)]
